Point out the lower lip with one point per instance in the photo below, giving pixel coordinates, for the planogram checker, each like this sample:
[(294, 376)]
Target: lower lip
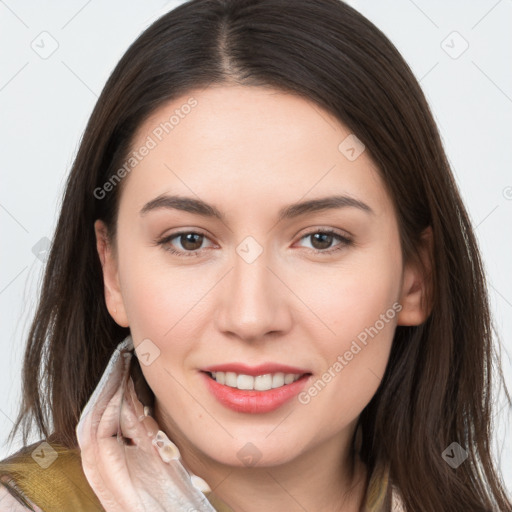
[(254, 402)]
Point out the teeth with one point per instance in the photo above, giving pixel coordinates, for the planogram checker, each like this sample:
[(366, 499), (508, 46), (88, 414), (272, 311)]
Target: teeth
[(263, 382), (258, 383), (245, 382), (288, 378), (230, 379), (277, 380)]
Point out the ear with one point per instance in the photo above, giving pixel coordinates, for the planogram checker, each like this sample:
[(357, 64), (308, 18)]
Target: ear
[(108, 258), (416, 293)]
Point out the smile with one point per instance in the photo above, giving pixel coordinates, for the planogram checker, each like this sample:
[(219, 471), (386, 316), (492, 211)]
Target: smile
[(240, 392), (257, 383)]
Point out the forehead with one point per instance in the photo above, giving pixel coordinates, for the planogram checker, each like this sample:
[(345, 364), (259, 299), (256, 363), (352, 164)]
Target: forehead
[(249, 142)]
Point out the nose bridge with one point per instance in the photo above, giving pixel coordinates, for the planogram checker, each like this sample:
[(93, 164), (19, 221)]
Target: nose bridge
[(253, 304)]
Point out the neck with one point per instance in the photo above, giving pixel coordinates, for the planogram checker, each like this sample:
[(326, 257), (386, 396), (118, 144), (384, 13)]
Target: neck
[(326, 477), (295, 487)]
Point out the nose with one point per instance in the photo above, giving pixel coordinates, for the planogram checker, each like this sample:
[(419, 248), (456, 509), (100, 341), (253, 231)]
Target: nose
[(254, 302)]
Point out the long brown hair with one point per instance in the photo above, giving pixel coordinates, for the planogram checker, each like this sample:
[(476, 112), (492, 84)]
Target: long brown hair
[(437, 388)]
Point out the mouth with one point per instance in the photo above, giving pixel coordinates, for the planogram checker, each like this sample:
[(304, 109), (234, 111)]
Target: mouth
[(263, 382), (254, 394)]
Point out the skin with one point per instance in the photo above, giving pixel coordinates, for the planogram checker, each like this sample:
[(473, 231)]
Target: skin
[(251, 151)]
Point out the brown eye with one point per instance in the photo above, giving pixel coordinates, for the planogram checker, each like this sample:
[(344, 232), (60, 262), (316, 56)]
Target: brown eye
[(191, 241), (322, 240)]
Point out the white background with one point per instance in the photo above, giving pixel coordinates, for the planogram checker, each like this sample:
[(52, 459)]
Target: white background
[(45, 103)]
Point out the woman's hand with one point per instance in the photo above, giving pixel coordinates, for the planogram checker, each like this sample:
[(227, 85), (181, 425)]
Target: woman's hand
[(129, 462)]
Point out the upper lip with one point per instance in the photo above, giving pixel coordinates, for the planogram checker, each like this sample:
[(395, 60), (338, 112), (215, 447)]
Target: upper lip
[(260, 369)]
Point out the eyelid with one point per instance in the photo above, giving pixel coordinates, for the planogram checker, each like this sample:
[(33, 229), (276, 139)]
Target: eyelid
[(340, 232)]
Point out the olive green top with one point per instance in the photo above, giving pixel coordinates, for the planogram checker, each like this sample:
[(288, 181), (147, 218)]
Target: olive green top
[(57, 483)]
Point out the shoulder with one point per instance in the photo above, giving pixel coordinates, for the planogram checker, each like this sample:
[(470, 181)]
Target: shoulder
[(48, 475)]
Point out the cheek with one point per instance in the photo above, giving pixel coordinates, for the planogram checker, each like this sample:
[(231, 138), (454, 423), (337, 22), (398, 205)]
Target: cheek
[(361, 317), (350, 298), (159, 302), (354, 358), (359, 306)]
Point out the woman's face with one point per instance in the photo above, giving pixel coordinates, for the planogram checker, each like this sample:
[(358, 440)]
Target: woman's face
[(247, 288)]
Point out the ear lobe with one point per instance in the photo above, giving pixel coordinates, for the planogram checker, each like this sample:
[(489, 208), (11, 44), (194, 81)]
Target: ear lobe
[(113, 296), (416, 295)]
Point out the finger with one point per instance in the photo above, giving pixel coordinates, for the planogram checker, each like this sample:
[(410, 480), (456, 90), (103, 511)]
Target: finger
[(101, 453), (109, 382), (135, 425), (98, 453), (112, 469), (108, 418), (134, 400), (92, 465), (165, 448), (91, 417), (142, 389), (141, 412)]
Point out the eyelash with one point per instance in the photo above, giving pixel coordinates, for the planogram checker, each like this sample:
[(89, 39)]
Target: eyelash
[(345, 242)]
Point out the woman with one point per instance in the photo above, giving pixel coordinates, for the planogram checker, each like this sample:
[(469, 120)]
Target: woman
[(352, 373)]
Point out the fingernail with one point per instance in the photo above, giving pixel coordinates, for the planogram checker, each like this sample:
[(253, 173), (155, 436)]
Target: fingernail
[(199, 483), (168, 450)]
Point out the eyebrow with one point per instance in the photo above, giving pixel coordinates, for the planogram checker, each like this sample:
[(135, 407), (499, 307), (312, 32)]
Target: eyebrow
[(199, 207)]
